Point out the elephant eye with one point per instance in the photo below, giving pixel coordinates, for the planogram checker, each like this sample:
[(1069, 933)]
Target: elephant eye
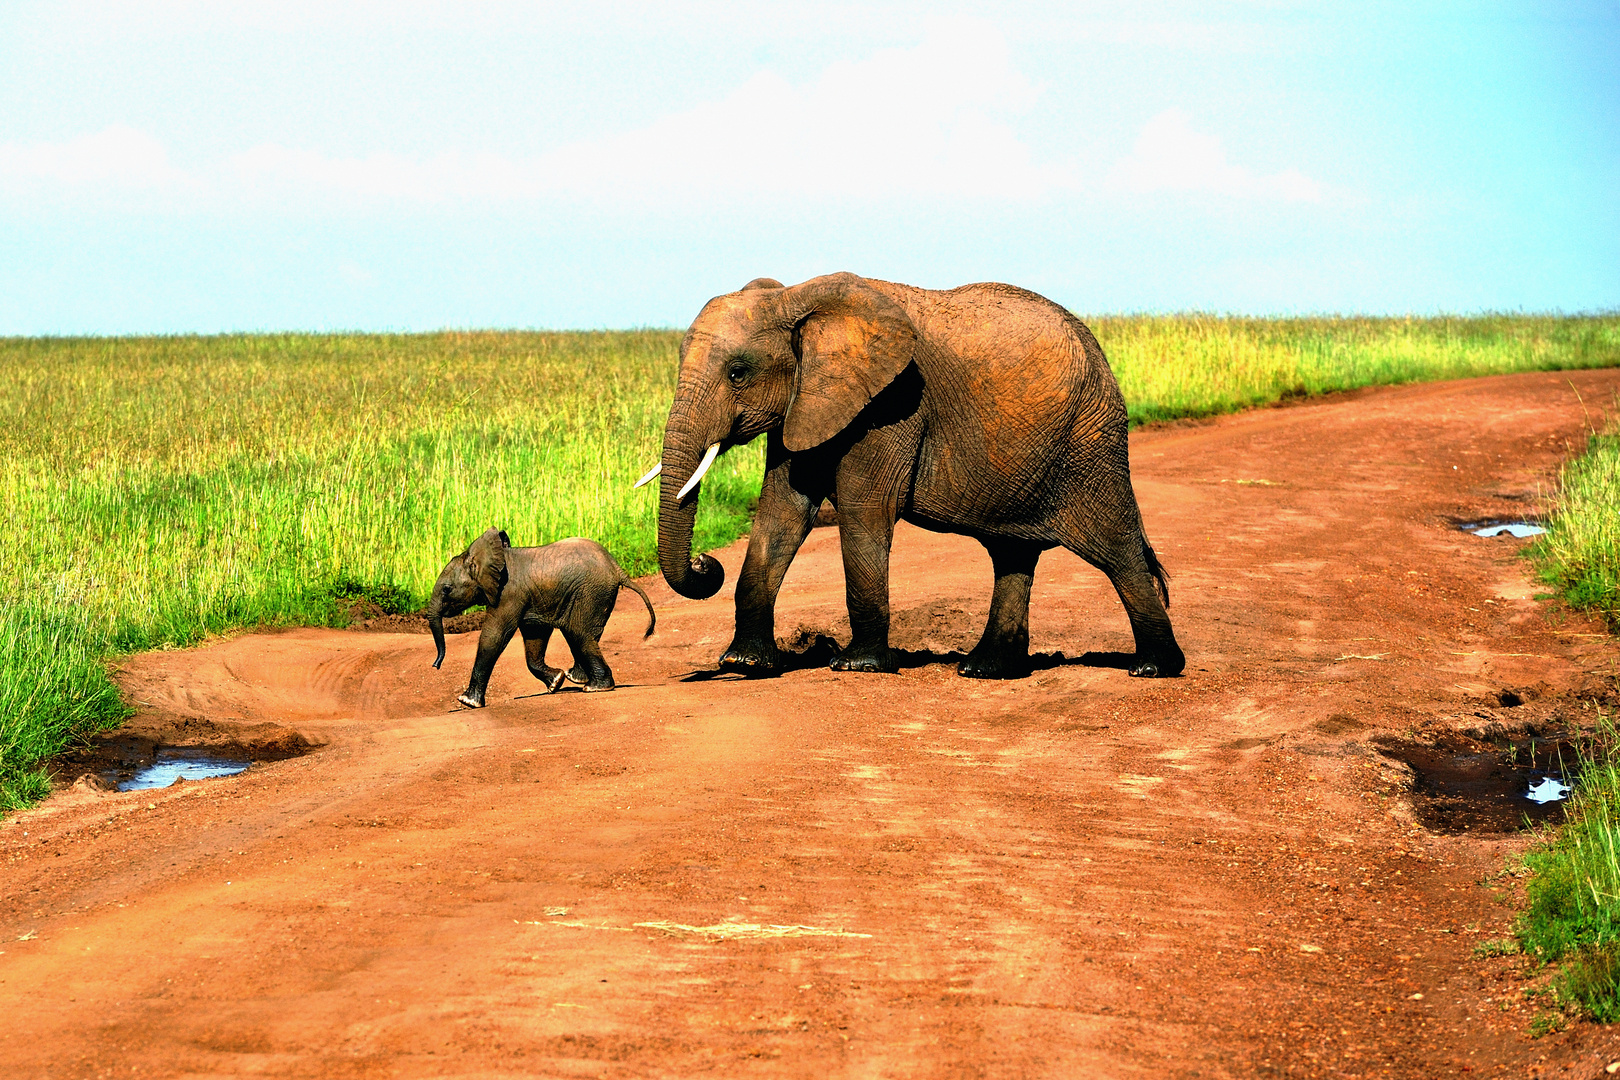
[(738, 373)]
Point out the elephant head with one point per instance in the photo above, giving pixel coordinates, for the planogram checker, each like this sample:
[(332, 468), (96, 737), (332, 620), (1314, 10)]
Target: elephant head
[(805, 359), (476, 576)]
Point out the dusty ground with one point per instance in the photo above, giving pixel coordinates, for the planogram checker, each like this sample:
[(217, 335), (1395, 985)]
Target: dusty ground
[(1076, 874)]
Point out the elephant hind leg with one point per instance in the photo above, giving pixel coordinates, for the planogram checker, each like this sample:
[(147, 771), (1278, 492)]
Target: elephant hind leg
[(1103, 526), (1142, 586), (590, 669), (1003, 650)]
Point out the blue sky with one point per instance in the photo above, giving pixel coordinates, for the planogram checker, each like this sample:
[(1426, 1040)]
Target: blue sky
[(176, 167)]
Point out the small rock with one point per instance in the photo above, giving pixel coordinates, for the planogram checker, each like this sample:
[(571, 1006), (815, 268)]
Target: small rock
[(94, 782)]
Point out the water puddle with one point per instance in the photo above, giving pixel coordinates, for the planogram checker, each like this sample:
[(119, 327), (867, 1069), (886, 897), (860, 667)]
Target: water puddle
[(1549, 790), (1465, 785), (1502, 527), (180, 764)]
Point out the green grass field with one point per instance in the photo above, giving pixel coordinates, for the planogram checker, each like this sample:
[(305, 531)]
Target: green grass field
[(156, 490)]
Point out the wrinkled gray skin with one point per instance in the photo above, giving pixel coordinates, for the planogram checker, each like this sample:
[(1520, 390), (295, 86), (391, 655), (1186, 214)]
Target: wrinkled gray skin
[(570, 585), (985, 410)]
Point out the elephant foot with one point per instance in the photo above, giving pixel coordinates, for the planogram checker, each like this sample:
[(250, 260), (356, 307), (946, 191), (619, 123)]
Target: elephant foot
[(471, 700), (592, 677), (867, 658), (752, 658), (549, 676), (994, 665), (1164, 666)]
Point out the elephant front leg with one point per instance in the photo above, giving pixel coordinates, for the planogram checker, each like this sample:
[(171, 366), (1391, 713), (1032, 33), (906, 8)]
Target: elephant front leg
[(1003, 651), (865, 533), (535, 639), (491, 643), (781, 523)]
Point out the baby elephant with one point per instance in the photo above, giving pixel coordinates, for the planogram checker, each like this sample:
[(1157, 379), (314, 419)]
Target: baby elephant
[(570, 585)]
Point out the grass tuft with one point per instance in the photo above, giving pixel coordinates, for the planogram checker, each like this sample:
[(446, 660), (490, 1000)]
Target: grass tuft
[(1593, 983), (23, 789), (54, 686), (1580, 555), (1494, 947)]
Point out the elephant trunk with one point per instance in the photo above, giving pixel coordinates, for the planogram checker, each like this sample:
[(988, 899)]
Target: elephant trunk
[(436, 624), (699, 578)]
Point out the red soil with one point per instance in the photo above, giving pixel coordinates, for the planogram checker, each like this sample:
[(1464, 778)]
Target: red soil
[(1074, 874)]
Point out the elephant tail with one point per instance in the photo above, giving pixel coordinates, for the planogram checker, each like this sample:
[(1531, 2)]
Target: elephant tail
[(1161, 577), (652, 616)]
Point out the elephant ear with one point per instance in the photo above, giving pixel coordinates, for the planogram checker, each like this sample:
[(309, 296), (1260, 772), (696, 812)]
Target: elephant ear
[(486, 564), (850, 341)]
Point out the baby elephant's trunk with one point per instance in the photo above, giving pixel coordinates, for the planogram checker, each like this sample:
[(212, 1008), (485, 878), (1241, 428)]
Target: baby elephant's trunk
[(436, 624)]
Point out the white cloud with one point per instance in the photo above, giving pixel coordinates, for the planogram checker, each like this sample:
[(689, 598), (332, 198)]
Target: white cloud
[(926, 121), (384, 176), (117, 157), (935, 120), (1170, 156)]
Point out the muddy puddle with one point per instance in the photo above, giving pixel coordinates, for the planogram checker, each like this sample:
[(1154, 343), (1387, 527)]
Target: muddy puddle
[(1519, 528), (154, 752), (1466, 785), (179, 763)]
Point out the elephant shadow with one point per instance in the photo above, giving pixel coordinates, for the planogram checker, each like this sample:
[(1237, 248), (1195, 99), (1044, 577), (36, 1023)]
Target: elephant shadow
[(570, 688), (818, 651)]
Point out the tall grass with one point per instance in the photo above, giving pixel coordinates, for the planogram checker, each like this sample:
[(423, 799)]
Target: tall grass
[(1581, 552), (1193, 365), (1572, 913), (156, 490)]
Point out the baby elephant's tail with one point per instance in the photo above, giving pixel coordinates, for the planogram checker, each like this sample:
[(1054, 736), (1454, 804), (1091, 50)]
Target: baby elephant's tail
[(1160, 577), (652, 616)]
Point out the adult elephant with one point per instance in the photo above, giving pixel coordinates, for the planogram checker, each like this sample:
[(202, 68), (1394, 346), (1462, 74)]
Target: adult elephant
[(985, 410)]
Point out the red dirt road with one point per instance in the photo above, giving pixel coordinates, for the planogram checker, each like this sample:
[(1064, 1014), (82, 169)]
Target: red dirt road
[(1072, 875)]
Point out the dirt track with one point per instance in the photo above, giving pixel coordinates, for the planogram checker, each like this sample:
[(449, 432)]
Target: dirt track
[(1077, 874)]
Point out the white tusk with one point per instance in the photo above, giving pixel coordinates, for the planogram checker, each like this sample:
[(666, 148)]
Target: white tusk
[(654, 471), (703, 467)]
